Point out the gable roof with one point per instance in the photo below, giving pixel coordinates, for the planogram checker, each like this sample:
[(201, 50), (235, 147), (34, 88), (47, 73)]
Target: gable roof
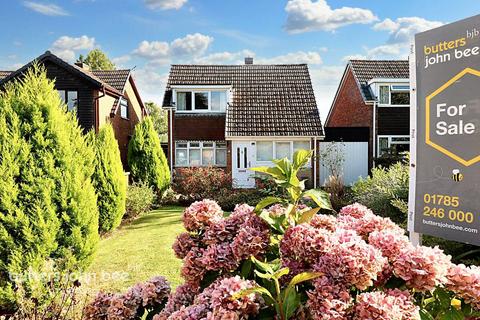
[(268, 100), (115, 78), (82, 73), (366, 70)]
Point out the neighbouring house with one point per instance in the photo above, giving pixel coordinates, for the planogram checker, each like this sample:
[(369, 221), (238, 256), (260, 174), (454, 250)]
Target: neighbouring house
[(241, 116), (97, 96), (372, 105)]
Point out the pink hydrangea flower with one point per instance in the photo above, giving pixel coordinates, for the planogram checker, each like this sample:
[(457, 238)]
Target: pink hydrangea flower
[(390, 305), (183, 244), (323, 221), (389, 242), (423, 268), (183, 296), (219, 257), (249, 242), (465, 282), (356, 211), (193, 269), (329, 300), (351, 261), (201, 214), (276, 210)]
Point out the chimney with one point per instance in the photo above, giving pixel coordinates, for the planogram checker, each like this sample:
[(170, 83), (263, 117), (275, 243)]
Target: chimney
[(82, 65), (248, 60)]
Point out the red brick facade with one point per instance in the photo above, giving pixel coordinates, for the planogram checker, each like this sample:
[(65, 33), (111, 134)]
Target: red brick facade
[(124, 129), (350, 110)]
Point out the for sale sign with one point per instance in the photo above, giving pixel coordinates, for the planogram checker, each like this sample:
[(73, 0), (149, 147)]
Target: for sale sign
[(446, 160)]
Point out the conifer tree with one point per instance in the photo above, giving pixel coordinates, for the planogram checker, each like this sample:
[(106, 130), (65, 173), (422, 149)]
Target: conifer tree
[(48, 205), (146, 158), (109, 179)]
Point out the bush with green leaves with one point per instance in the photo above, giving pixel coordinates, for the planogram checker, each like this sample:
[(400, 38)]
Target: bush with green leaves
[(48, 204), (140, 198), (109, 179), (385, 191), (146, 159)]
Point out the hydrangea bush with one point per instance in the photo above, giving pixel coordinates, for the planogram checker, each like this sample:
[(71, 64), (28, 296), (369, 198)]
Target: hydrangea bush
[(282, 260)]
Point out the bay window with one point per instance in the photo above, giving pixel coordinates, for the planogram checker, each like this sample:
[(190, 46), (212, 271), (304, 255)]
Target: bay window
[(200, 153), (269, 150), (201, 100)]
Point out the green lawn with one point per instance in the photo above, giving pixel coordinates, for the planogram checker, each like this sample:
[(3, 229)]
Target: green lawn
[(138, 251)]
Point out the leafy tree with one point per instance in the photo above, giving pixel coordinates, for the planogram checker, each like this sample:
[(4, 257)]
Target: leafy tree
[(97, 60), (146, 159), (159, 117), (48, 205), (108, 179)]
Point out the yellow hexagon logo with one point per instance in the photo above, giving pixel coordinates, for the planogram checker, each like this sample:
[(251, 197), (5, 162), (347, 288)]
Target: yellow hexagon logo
[(442, 149)]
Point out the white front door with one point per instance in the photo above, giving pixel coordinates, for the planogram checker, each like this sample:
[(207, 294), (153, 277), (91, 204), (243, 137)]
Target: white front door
[(242, 160)]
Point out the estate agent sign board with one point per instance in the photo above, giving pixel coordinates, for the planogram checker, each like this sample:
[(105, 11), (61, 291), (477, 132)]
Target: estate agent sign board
[(445, 75)]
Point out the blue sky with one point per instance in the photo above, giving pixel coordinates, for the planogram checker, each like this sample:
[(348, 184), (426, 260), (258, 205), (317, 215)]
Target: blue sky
[(151, 34)]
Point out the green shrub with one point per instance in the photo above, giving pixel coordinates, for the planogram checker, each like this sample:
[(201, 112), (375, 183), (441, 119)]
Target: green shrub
[(140, 198), (109, 179), (228, 200), (385, 191), (146, 159), (47, 201)]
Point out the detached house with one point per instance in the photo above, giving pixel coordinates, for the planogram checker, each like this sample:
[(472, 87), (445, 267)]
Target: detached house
[(372, 104), (240, 116), (97, 97)]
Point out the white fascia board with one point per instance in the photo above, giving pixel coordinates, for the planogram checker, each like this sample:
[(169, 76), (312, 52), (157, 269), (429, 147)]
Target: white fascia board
[(201, 87), (389, 80), (270, 138)]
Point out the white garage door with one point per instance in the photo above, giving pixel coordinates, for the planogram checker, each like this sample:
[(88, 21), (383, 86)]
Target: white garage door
[(355, 164)]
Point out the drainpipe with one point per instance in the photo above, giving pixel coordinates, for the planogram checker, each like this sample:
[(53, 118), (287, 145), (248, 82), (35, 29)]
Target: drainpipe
[(170, 140), (315, 161), (97, 106), (374, 142)]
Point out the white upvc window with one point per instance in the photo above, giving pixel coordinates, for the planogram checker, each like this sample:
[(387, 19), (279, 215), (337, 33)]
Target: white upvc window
[(394, 95), (268, 150), (200, 100), (200, 153), (124, 108), (398, 142)]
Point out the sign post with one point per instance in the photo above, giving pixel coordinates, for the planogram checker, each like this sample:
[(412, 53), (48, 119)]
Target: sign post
[(444, 197)]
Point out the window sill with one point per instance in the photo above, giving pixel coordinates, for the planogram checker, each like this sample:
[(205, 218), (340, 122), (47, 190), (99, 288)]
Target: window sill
[(123, 118), (187, 166)]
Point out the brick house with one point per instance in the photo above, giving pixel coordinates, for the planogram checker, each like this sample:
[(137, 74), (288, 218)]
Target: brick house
[(97, 96), (240, 116), (372, 104)]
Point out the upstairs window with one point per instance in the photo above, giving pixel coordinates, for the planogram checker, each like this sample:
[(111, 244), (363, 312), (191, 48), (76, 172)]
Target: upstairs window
[(201, 101), (124, 108), (70, 98), (394, 95)]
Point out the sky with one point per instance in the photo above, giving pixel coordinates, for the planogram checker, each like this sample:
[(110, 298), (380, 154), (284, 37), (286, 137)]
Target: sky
[(150, 35)]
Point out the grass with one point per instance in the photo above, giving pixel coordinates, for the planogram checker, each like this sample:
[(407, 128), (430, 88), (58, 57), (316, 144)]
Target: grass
[(138, 252)]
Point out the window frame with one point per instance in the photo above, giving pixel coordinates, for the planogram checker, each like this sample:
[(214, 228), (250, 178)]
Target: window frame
[(121, 106), (274, 149), (65, 98), (393, 87), (391, 142), (201, 90), (191, 145)]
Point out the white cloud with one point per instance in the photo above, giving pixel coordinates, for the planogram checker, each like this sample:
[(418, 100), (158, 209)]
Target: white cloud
[(151, 84), (325, 80), (191, 45), (225, 57), (48, 9), (67, 47), (165, 4), (401, 33), (161, 52), (310, 57), (307, 15), (403, 29)]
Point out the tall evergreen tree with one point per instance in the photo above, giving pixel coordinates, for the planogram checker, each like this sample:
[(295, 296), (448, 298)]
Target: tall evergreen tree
[(97, 60), (47, 201), (146, 158), (108, 179)]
